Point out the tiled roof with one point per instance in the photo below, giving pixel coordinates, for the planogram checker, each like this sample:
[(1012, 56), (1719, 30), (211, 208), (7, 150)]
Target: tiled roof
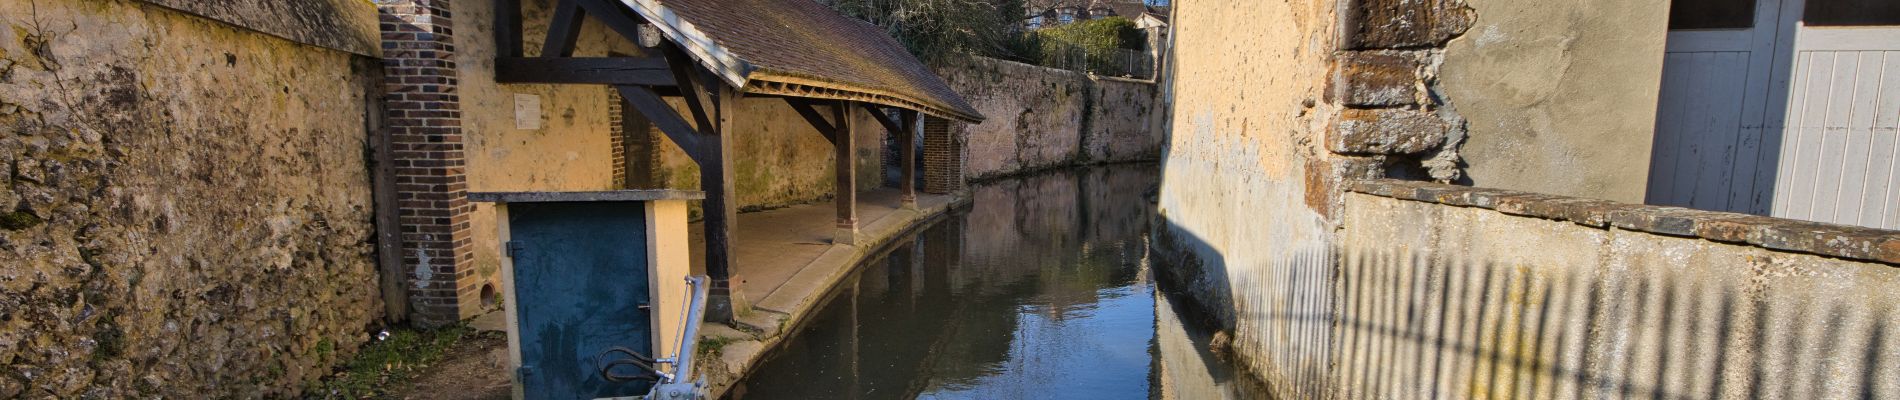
[(801, 48), (1128, 10)]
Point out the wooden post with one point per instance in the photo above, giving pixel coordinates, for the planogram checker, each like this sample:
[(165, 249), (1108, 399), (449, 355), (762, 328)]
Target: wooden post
[(847, 187), (508, 28), (394, 278), (721, 208), (907, 159)]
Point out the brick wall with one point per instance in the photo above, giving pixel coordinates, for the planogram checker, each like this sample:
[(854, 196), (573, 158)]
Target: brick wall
[(617, 136), (424, 115), (636, 147), (943, 157)]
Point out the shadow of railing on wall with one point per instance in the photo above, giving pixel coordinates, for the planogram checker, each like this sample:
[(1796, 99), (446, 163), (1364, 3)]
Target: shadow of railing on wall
[(1391, 323), (1409, 327)]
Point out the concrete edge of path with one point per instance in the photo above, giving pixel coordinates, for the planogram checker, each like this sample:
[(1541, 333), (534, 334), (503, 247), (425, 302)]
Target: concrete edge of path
[(787, 307)]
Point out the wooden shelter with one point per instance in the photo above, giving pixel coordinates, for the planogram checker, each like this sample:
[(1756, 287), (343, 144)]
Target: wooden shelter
[(710, 53)]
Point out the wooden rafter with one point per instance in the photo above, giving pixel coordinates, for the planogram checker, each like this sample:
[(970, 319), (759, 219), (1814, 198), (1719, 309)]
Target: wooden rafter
[(643, 99), (685, 72), (817, 120), (646, 71), (882, 117), (564, 30)]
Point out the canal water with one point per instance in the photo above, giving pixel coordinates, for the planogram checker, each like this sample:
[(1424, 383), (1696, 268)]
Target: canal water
[(1041, 289)]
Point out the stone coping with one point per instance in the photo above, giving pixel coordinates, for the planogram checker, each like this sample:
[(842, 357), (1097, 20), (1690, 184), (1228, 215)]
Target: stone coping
[(1842, 241), (591, 196)]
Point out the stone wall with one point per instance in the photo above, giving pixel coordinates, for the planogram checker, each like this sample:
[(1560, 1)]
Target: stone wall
[(187, 205), (1513, 294), (1040, 118)]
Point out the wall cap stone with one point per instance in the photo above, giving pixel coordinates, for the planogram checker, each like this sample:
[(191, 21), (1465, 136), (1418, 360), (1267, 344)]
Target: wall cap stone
[(1779, 234)]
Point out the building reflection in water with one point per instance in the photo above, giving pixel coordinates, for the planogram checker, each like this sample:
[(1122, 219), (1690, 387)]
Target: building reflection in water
[(1039, 290)]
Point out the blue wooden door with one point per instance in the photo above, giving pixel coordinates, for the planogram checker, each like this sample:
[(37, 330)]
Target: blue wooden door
[(580, 279)]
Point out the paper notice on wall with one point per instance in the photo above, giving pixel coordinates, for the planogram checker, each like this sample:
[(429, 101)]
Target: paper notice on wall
[(527, 111)]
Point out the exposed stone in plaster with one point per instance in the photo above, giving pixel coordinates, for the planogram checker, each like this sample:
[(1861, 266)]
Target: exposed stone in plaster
[(202, 205), (1375, 79), (1389, 24), (1386, 131), (1384, 85)]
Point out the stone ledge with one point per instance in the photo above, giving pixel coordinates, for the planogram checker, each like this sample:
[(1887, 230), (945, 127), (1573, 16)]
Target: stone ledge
[(1842, 241)]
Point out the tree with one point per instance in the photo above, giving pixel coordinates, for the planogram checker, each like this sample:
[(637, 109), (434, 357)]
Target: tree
[(940, 30), (1097, 45)]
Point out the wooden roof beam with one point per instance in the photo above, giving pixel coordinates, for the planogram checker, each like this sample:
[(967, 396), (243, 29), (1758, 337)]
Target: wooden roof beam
[(644, 71)]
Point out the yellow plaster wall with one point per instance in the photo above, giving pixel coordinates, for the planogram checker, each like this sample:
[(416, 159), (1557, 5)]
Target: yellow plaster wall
[(1246, 184)]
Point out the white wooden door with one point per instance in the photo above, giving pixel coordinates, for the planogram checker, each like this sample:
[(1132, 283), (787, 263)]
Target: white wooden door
[(1709, 148), (1837, 162), (1790, 111)]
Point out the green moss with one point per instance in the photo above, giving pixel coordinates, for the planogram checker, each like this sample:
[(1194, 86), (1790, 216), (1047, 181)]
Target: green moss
[(110, 339), (325, 347), (388, 364), (713, 346), (18, 220)]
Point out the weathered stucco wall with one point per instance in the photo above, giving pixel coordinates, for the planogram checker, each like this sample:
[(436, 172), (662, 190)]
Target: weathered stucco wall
[(1275, 105), (1508, 294), (344, 25), (780, 159), (186, 210), (1040, 118), (1560, 97), (1244, 174)]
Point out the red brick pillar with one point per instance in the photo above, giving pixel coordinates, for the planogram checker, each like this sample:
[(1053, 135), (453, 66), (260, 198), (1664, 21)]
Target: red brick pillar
[(943, 157), (425, 121), (617, 136)]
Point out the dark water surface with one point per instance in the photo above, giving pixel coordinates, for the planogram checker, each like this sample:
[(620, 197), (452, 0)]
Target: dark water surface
[(1039, 290)]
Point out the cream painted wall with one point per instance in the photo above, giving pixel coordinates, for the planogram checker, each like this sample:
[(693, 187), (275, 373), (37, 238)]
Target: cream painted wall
[(1244, 177), (1560, 96)]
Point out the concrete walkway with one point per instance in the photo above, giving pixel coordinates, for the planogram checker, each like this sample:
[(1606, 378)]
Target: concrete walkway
[(786, 261)]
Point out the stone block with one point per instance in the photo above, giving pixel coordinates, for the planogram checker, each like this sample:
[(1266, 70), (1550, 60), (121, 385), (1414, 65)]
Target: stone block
[(1825, 239), (1386, 131), (1733, 228), (1586, 212), (1673, 221), (1469, 197), (1365, 79), (1395, 24), (1361, 168), (1889, 250)]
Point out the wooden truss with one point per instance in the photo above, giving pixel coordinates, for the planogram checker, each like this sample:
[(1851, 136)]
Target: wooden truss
[(705, 129)]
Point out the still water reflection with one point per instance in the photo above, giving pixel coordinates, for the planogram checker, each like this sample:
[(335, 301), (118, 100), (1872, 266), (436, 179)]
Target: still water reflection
[(1039, 290)]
